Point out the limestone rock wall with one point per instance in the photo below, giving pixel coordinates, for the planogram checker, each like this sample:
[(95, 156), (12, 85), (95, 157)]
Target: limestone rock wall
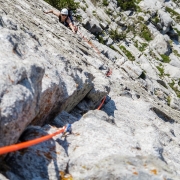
[(43, 68), (51, 77)]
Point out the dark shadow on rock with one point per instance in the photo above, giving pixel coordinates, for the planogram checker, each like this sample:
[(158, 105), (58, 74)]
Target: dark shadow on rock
[(109, 106), (176, 42), (162, 115), (70, 102), (63, 118), (64, 143), (35, 161), (160, 153)]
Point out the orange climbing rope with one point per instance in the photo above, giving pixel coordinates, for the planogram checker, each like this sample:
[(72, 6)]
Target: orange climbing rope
[(15, 147), (102, 102)]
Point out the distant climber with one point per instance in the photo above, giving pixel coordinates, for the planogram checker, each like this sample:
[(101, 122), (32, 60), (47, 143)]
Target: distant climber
[(64, 18)]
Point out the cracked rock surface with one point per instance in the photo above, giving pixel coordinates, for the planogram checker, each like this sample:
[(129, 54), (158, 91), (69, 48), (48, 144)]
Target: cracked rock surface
[(51, 77)]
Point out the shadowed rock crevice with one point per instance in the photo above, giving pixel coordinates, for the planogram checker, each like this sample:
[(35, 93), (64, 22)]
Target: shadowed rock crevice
[(162, 115), (43, 155)]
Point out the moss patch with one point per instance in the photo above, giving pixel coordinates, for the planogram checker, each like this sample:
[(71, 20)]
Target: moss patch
[(176, 53), (165, 58), (125, 5), (173, 13), (127, 53), (168, 100), (105, 3), (116, 36), (140, 46), (161, 70)]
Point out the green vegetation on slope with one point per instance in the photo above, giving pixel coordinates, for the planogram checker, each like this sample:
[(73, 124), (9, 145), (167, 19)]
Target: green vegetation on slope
[(105, 3), (140, 46), (175, 89), (127, 53), (59, 4), (116, 36), (125, 5), (161, 70), (174, 14), (165, 58)]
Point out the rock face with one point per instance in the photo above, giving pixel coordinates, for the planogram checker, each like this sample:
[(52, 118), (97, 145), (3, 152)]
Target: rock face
[(160, 45), (115, 152), (40, 77), (51, 77)]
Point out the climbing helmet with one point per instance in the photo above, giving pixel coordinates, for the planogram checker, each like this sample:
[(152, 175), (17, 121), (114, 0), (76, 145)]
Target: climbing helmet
[(64, 11)]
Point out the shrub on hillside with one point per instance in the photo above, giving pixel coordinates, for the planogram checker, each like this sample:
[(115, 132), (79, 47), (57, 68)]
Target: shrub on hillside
[(105, 3), (116, 36), (59, 4), (165, 58), (126, 4), (127, 53)]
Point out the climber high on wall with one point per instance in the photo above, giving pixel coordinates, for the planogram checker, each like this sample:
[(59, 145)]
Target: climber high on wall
[(65, 18)]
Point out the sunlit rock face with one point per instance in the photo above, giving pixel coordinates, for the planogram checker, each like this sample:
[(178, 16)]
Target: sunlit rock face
[(51, 77)]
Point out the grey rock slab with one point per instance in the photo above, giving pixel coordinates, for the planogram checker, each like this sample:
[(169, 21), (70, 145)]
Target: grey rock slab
[(172, 71), (109, 53), (151, 5), (109, 42), (160, 45), (175, 103), (132, 69), (19, 100), (147, 67), (101, 14), (47, 71), (155, 117), (175, 61), (103, 25), (114, 158), (77, 84), (99, 89), (166, 20), (113, 26), (92, 25)]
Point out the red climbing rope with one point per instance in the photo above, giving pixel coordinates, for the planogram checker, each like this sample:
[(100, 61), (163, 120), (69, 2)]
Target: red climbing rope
[(89, 42), (15, 147), (109, 73), (102, 102)]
